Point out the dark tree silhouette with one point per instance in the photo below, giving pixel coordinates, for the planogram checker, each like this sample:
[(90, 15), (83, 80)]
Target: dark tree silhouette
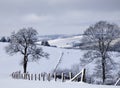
[(102, 34), (3, 39), (24, 41), (45, 43)]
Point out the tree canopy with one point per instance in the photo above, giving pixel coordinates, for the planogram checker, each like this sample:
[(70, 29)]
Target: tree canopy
[(24, 42)]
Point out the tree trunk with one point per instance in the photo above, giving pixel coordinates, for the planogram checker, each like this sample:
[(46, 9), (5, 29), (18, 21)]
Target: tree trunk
[(25, 64), (103, 69)]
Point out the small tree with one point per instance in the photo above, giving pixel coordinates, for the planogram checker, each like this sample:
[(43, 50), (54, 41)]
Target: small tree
[(24, 41), (45, 43), (3, 39), (101, 35)]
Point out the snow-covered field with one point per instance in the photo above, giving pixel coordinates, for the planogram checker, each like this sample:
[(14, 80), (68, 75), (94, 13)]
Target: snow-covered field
[(10, 83), (12, 63), (9, 64), (65, 42)]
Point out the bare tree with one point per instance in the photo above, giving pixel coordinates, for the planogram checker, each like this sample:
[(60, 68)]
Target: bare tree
[(24, 41), (102, 34)]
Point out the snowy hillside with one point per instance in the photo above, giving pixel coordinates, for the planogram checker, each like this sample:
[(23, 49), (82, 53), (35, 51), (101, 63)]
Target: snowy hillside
[(66, 42), (12, 63), (73, 41), (9, 64), (36, 84)]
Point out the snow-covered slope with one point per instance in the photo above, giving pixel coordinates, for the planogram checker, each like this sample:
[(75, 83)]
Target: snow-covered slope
[(74, 42), (9, 64), (71, 57), (65, 42), (38, 84)]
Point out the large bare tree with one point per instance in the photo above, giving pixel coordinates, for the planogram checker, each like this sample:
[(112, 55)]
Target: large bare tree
[(101, 35), (24, 42)]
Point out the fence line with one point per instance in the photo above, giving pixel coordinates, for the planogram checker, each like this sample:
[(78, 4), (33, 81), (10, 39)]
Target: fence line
[(48, 76), (41, 76)]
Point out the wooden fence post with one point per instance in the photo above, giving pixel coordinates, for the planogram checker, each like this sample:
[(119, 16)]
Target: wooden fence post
[(19, 75), (31, 76), (70, 75), (43, 76), (28, 76), (35, 77), (25, 75), (48, 77), (39, 77), (83, 76), (55, 76), (62, 77), (12, 75), (16, 75)]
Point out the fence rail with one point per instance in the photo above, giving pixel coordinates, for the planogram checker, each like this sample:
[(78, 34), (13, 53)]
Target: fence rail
[(117, 82)]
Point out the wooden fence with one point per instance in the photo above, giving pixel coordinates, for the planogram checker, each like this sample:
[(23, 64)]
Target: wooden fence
[(48, 77), (42, 77)]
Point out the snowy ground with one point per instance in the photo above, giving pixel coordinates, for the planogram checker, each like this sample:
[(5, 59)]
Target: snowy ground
[(9, 64), (10, 83), (65, 42)]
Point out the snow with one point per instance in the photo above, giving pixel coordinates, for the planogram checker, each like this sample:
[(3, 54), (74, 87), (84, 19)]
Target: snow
[(10, 83), (9, 64), (65, 42)]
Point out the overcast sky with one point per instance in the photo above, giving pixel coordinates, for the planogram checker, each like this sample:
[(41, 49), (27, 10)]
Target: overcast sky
[(56, 16)]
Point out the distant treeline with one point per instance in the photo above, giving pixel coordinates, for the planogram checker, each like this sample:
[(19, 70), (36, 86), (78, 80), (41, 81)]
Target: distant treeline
[(4, 39)]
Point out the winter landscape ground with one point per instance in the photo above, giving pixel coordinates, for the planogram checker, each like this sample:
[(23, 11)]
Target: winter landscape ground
[(59, 43), (9, 64)]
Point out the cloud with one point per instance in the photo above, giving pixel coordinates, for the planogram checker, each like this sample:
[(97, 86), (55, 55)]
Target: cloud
[(56, 6), (56, 16), (34, 18)]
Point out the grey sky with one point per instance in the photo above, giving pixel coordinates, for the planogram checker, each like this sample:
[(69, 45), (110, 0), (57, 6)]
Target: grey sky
[(56, 16)]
